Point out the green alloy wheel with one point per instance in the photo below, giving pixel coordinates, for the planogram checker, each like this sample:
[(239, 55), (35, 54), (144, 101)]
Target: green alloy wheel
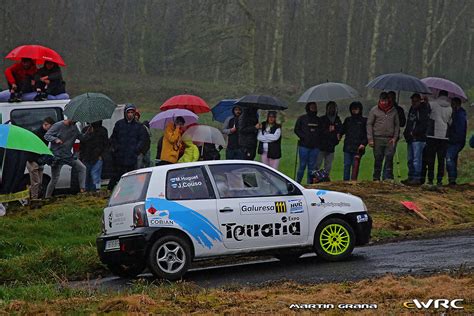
[(334, 239)]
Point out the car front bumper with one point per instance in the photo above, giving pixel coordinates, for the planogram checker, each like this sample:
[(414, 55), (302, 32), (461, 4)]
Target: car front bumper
[(361, 222)]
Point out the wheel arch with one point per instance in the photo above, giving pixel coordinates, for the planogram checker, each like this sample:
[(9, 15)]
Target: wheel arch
[(170, 231), (344, 217)]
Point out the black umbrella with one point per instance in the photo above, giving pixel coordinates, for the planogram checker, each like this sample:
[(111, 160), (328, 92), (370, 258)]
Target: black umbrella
[(263, 102), (399, 82)]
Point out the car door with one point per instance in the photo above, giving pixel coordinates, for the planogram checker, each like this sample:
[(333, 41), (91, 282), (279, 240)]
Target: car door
[(255, 209), (191, 204)]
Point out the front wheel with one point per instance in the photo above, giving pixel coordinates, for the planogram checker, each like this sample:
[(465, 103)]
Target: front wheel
[(169, 257), (334, 240)]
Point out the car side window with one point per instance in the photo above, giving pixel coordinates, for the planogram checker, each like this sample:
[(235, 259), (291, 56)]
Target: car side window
[(238, 180), (32, 119), (188, 184)]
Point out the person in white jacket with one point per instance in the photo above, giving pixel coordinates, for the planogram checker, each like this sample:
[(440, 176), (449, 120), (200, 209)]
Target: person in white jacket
[(269, 138), (437, 136)]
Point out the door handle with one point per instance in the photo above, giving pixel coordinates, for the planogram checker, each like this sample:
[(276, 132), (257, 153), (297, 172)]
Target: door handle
[(226, 209)]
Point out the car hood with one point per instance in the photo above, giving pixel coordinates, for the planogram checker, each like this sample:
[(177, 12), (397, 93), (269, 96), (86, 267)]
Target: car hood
[(333, 201)]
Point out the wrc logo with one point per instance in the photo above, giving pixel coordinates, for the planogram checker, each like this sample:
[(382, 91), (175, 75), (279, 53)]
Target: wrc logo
[(280, 207)]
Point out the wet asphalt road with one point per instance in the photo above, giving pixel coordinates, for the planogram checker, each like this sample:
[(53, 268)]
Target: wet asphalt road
[(406, 257)]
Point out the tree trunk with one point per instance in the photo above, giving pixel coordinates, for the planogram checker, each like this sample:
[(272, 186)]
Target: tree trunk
[(141, 49), (345, 70), (126, 39), (250, 45), (375, 40)]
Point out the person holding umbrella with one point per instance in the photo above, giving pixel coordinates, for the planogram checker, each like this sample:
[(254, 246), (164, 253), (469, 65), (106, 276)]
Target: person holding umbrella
[(62, 136), (248, 127), (331, 126), (308, 130), (126, 141), (230, 129), (93, 146), (269, 137), (20, 77), (355, 130), (457, 133), (383, 128), (172, 143), (49, 81)]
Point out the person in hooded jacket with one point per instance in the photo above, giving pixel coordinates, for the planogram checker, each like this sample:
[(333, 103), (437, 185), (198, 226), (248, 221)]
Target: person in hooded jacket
[(191, 152), (93, 146), (415, 136), (269, 137), (355, 130), (126, 142), (49, 81), (457, 133), (308, 130), (230, 128), (437, 136), (247, 132), (331, 127), (383, 128)]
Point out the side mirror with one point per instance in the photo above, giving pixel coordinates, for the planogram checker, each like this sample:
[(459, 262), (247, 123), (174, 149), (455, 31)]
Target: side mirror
[(291, 187)]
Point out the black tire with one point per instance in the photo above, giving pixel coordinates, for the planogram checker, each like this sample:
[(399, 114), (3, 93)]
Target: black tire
[(343, 239), (288, 255), (175, 257), (127, 271)]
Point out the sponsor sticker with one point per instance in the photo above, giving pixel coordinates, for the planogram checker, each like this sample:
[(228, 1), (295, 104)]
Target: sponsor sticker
[(269, 230), (160, 218), (362, 218), (256, 208), (296, 206)]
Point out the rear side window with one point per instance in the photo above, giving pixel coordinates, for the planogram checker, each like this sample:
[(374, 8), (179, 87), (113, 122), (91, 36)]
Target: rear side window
[(188, 184), (130, 189), (32, 118)]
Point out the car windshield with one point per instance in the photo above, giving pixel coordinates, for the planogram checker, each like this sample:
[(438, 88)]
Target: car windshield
[(130, 189)]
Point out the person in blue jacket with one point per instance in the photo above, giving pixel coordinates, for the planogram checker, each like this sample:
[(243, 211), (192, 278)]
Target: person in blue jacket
[(457, 139)]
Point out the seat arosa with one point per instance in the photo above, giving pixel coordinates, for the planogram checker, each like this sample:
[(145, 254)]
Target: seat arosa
[(166, 217)]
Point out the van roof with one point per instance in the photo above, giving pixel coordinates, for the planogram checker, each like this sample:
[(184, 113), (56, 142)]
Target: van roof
[(34, 103)]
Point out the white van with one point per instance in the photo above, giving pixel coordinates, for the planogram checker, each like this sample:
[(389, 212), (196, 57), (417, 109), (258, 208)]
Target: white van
[(30, 115), (165, 217)]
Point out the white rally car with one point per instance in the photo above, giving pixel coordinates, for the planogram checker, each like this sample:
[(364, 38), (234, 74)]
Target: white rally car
[(165, 217)]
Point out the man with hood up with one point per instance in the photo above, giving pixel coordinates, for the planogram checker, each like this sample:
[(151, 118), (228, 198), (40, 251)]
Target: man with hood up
[(355, 129), (437, 135), (307, 128), (230, 129), (383, 128), (331, 127), (247, 130), (126, 143)]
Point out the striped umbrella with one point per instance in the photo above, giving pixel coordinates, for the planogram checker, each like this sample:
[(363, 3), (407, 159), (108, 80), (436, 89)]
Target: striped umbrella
[(90, 107)]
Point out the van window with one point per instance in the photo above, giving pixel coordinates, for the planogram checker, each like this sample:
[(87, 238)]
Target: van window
[(32, 118), (188, 184), (130, 189)]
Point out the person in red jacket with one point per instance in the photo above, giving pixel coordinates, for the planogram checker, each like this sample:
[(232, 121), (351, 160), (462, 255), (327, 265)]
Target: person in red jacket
[(20, 77)]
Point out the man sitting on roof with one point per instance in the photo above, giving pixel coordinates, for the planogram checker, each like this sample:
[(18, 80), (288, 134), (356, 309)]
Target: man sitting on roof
[(20, 77), (49, 81)]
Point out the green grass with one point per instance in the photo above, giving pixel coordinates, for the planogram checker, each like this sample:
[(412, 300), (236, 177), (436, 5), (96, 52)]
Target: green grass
[(55, 242)]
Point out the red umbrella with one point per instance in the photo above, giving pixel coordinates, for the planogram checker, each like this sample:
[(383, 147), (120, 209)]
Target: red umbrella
[(186, 101), (38, 53)]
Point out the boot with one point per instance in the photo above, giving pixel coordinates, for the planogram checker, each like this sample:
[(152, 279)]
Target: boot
[(37, 97)]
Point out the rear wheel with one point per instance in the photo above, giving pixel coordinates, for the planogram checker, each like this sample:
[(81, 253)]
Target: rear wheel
[(169, 257), (127, 271), (334, 240)]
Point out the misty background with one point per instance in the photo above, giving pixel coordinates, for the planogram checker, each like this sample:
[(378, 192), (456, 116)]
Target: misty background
[(148, 50)]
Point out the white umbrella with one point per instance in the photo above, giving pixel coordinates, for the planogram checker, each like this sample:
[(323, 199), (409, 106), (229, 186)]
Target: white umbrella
[(328, 91), (205, 134)]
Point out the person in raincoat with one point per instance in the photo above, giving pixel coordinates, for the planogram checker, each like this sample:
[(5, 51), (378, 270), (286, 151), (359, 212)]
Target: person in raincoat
[(191, 152), (20, 78), (49, 81), (172, 143), (331, 127)]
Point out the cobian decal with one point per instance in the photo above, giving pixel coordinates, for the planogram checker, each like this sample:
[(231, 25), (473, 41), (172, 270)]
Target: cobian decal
[(162, 212)]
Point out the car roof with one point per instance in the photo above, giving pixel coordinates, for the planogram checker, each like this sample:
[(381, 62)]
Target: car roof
[(165, 168)]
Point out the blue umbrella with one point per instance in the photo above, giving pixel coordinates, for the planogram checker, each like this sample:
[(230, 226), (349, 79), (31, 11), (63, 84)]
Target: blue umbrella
[(222, 110), (399, 82)]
